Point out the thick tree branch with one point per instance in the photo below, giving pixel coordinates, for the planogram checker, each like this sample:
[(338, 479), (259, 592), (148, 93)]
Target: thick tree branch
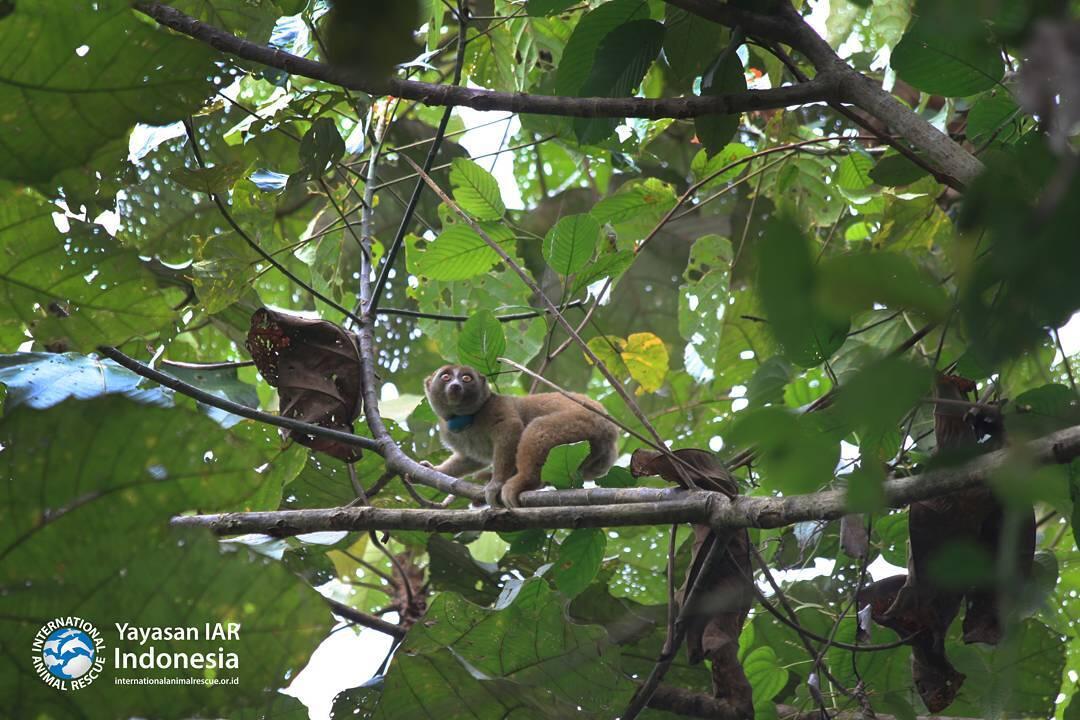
[(704, 508), (823, 88), (787, 26), (691, 507)]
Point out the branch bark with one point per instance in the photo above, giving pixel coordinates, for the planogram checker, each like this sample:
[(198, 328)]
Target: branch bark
[(700, 507), (787, 26), (821, 89)]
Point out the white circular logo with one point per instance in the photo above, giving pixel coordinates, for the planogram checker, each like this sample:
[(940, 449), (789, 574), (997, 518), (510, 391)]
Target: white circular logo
[(68, 653)]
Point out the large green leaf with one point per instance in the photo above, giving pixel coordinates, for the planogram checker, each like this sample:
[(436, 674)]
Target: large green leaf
[(86, 534), (571, 242), (482, 342), (580, 555), (75, 76), (853, 282), (797, 455), (458, 253), (787, 282), (716, 131), (946, 52), (690, 42), (41, 380), (249, 19), (622, 59), (476, 191), (580, 52), (461, 660), (80, 288)]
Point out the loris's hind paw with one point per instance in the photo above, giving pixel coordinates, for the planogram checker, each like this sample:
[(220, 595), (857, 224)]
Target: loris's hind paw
[(510, 497)]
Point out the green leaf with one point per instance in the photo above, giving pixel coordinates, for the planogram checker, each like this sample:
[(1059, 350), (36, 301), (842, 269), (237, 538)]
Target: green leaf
[(895, 170), (476, 191), (1021, 677), (853, 172), (458, 253), (878, 396), (555, 669), (579, 54), (481, 342), (63, 105), (786, 282), (622, 59), (947, 52), (617, 477), (571, 242), (539, 8), (690, 42), (321, 146), (797, 456), (223, 271), (1041, 411), (854, 282), (217, 179), (716, 131), (865, 489), (635, 209), (41, 380), (766, 387), (722, 167), (990, 118), (580, 555), (113, 549), (646, 358), (81, 288), (454, 569), (608, 266), (560, 469), (766, 674)]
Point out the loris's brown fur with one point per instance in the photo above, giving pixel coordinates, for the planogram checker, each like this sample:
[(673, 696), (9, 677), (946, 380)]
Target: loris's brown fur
[(513, 434)]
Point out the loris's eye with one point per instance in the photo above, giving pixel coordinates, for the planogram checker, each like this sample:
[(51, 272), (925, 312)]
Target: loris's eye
[(466, 378), (445, 377)]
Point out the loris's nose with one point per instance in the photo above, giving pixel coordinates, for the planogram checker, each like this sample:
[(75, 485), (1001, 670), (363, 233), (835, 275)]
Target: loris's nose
[(455, 389)]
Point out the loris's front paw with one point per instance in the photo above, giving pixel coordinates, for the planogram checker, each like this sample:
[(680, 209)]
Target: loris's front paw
[(491, 493), (425, 463)]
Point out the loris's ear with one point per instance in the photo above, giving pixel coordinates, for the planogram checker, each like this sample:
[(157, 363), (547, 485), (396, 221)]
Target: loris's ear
[(427, 382)]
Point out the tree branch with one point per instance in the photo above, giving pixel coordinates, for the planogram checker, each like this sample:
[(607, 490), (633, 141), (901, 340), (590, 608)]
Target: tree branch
[(233, 407), (362, 618), (786, 25), (822, 89), (700, 507)]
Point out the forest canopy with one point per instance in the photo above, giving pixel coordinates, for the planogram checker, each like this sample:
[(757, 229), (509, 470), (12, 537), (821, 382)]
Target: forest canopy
[(815, 259)]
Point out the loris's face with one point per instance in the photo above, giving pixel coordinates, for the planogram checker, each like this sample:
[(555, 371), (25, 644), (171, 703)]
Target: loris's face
[(457, 388)]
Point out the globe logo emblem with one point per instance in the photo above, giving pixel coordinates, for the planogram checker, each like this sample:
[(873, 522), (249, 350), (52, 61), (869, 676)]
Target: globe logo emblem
[(68, 653)]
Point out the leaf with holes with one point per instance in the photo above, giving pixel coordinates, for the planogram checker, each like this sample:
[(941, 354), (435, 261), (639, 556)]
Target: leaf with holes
[(63, 104), (77, 291)]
